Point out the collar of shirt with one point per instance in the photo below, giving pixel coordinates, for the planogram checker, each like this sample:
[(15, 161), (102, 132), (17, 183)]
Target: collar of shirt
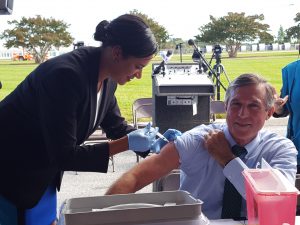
[(250, 147)]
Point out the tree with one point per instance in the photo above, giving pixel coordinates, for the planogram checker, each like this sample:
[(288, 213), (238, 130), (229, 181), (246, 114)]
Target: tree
[(231, 30), (159, 31), (37, 35), (294, 31), (266, 38), (281, 35)]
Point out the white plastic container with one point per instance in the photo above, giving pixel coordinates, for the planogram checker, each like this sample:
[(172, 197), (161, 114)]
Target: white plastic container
[(164, 208)]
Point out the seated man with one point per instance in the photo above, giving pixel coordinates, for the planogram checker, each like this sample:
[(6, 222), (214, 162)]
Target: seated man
[(205, 157)]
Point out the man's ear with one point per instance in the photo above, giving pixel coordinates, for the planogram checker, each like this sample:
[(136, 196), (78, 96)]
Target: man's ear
[(270, 112), (116, 53)]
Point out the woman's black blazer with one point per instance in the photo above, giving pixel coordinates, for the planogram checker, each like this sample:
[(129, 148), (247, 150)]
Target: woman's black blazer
[(44, 121)]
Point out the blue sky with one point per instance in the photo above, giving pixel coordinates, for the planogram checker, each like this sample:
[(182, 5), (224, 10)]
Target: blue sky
[(180, 18)]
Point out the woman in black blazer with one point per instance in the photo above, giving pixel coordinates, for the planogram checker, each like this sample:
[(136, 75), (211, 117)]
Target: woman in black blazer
[(44, 121)]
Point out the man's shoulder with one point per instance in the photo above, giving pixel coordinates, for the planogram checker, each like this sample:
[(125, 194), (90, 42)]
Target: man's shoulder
[(268, 136), (294, 64), (207, 127), (291, 67), (210, 126)]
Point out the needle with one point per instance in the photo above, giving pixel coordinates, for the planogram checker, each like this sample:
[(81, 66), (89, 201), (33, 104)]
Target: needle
[(162, 136)]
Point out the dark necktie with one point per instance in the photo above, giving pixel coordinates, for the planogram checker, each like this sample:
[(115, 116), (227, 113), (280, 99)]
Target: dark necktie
[(232, 200)]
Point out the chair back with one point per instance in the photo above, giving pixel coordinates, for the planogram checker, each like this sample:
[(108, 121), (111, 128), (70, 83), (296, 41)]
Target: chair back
[(217, 107), (141, 108), (170, 182)]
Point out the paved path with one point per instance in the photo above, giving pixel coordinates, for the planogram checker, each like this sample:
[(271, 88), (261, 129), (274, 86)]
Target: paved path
[(83, 184)]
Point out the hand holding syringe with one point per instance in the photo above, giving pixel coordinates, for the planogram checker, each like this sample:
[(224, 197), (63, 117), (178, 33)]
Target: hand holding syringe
[(169, 135), (149, 125), (162, 137)]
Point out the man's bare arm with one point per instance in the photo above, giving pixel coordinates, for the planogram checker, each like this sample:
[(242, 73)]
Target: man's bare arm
[(147, 171)]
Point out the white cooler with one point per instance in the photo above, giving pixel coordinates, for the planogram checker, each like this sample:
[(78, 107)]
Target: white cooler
[(156, 208)]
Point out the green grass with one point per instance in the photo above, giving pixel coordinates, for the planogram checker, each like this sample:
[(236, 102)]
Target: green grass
[(267, 64), (12, 73)]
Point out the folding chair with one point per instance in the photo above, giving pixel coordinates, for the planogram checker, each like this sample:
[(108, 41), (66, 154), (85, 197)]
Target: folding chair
[(97, 137), (141, 109), (216, 107), (170, 182)]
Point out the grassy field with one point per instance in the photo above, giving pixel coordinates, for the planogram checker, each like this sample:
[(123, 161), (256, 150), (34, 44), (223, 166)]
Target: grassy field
[(267, 64)]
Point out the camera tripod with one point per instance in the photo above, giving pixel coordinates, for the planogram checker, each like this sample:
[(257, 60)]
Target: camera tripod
[(205, 64), (219, 69), (179, 46)]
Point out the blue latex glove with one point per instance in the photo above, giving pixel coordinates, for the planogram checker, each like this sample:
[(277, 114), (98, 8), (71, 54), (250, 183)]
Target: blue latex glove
[(170, 134), (140, 140)]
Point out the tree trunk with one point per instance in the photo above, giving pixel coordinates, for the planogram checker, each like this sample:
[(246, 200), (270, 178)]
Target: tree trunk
[(233, 50), (37, 59)]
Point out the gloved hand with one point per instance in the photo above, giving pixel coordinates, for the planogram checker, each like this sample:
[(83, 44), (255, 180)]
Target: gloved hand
[(140, 140), (170, 134)]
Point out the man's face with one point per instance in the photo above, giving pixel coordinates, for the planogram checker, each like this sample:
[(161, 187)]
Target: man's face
[(247, 112)]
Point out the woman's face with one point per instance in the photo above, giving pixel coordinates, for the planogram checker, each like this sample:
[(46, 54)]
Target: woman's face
[(126, 69)]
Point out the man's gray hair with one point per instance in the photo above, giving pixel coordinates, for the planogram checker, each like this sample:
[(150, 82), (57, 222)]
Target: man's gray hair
[(251, 79)]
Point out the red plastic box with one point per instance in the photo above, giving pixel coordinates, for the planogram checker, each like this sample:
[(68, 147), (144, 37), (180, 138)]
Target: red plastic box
[(271, 198)]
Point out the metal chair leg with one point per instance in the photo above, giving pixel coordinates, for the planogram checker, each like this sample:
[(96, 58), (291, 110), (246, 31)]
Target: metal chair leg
[(112, 162)]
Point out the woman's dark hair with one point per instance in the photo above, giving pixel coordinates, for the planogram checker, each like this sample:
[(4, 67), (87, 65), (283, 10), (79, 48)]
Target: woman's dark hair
[(130, 32)]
